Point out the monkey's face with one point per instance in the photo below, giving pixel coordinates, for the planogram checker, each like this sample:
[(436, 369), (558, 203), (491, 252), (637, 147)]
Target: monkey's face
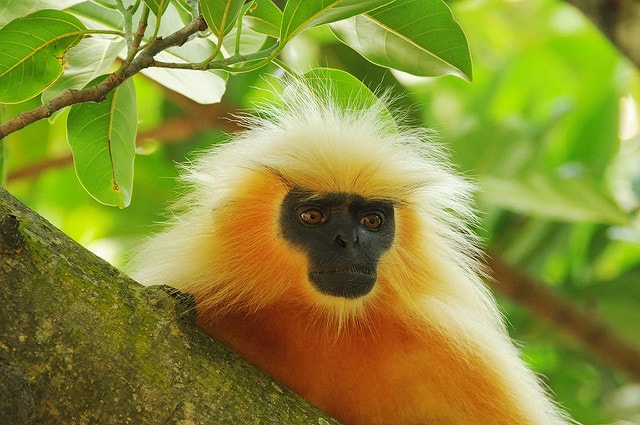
[(343, 236)]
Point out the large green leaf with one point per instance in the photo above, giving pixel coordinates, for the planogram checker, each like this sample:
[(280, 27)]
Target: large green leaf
[(264, 17), (33, 47), (301, 14), (220, 15), (345, 89), (90, 58), (157, 6), (102, 138), (553, 197), (95, 16), (200, 86), (415, 36), (204, 87), (13, 9)]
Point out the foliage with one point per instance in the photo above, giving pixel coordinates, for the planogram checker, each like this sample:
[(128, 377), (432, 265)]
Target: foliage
[(102, 136), (548, 130)]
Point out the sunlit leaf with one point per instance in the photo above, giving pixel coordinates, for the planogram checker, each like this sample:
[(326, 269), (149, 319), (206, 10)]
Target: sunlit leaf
[(32, 53), (201, 86), (13, 9), (415, 36), (553, 197), (345, 89), (299, 15), (157, 6), (98, 17), (102, 138), (220, 15), (250, 42), (264, 17), (89, 59)]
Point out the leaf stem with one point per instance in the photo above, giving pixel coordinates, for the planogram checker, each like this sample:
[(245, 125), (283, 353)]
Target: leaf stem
[(156, 30), (128, 23), (286, 68), (139, 34), (239, 27)]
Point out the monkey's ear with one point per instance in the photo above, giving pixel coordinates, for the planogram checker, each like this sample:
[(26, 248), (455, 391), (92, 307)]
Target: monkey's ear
[(346, 91)]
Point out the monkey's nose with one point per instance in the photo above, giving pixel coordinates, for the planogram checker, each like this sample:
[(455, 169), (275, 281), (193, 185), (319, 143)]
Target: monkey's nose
[(344, 241)]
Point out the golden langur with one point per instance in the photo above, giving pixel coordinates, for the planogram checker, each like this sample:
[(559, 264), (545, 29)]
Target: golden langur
[(331, 249)]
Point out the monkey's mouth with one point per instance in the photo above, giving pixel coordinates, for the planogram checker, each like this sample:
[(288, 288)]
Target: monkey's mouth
[(346, 283)]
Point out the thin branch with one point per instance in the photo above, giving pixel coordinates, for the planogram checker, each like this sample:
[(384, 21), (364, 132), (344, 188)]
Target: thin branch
[(40, 167), (128, 23), (602, 341), (196, 118), (98, 92), (139, 34)]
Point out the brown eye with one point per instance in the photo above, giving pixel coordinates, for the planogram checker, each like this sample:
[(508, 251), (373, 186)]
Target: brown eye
[(312, 216), (371, 221)]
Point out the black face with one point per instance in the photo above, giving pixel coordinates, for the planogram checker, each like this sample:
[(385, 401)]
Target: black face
[(343, 235)]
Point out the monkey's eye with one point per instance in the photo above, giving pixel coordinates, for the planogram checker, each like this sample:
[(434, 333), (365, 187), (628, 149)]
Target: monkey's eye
[(312, 216), (371, 221)]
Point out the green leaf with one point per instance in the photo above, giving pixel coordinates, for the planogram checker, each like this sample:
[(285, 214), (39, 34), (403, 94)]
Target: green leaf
[(250, 41), (299, 15), (102, 138), (345, 89), (157, 6), (90, 58), (13, 9), (220, 15), (31, 57), (204, 87), (201, 86), (420, 37), (99, 16), (264, 17), (571, 199)]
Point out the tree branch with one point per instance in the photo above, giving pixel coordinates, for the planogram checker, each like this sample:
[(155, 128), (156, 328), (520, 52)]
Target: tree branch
[(585, 328), (80, 342), (98, 92), (195, 118)]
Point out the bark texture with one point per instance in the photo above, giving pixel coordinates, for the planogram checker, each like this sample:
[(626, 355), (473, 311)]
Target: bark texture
[(81, 343)]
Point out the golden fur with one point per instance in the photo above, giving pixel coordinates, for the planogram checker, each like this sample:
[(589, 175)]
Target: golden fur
[(426, 346)]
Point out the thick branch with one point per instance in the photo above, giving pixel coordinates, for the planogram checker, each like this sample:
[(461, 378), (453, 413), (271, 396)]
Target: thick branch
[(602, 341), (82, 343), (98, 92)]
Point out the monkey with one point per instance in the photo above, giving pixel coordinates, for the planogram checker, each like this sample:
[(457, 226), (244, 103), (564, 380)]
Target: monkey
[(333, 250)]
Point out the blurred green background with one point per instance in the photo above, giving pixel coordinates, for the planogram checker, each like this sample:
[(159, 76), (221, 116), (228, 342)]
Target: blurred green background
[(549, 130)]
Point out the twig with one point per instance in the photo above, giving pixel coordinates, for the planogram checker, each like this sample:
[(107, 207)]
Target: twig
[(98, 92), (196, 118)]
